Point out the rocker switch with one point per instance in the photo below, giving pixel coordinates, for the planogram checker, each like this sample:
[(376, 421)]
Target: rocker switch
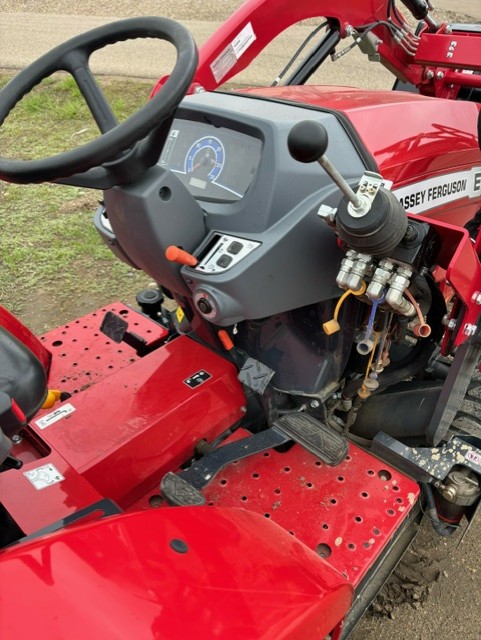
[(224, 261), (235, 247)]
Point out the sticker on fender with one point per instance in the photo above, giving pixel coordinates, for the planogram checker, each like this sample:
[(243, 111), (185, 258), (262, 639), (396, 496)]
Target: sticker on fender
[(43, 477), (434, 192), (62, 412)]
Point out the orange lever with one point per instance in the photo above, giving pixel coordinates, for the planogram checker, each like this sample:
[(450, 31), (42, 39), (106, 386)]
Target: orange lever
[(176, 254), (226, 340)]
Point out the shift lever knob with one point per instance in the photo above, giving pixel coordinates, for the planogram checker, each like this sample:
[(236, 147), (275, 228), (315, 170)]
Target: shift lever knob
[(307, 141)]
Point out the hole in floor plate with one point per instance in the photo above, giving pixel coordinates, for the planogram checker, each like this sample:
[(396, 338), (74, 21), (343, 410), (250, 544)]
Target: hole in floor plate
[(340, 478), (267, 515), (123, 312), (255, 475), (287, 469), (57, 343), (376, 531), (277, 491), (155, 501), (370, 472), (348, 458), (318, 463), (364, 494), (358, 519), (390, 512), (399, 500), (351, 546), (323, 550), (243, 498), (309, 485), (266, 454), (366, 545), (325, 526), (384, 474), (333, 501), (223, 481), (395, 487)]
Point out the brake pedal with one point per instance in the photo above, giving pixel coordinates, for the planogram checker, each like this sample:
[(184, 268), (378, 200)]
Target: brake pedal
[(180, 493), (316, 437)]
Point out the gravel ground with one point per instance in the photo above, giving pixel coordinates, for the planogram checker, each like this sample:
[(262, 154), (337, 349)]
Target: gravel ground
[(179, 9)]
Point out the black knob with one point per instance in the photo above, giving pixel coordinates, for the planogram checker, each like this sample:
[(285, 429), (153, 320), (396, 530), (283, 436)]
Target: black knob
[(307, 141), (204, 306)]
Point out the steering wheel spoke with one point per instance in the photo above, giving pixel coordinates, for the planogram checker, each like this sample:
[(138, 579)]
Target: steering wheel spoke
[(104, 159), (77, 64)]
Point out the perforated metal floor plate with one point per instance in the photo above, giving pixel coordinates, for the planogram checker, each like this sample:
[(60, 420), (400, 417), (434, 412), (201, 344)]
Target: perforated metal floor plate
[(346, 513), (82, 355)]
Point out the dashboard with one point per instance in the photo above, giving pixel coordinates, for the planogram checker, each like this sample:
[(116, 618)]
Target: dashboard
[(216, 164)]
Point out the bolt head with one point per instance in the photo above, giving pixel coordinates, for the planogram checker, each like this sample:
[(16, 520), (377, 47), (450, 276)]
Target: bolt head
[(469, 329)]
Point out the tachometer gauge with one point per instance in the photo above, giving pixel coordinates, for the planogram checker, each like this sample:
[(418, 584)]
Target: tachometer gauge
[(205, 160)]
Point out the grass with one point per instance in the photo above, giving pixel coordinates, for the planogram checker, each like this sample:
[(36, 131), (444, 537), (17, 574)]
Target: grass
[(54, 266)]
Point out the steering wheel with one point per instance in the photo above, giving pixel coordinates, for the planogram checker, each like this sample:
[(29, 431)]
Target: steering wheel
[(104, 162)]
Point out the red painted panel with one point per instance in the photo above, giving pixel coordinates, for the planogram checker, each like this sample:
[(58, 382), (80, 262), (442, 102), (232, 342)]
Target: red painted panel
[(411, 137), (134, 425), (239, 577), (34, 506)]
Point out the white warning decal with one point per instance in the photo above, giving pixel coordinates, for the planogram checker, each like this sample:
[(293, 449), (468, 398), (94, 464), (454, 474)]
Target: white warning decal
[(434, 192), (43, 477), (62, 412), (229, 56)]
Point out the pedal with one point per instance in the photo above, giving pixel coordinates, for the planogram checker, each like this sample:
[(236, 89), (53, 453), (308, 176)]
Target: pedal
[(316, 437), (179, 493), (255, 375)]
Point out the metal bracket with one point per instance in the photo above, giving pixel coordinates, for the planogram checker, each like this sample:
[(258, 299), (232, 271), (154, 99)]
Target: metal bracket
[(424, 463), (454, 388)]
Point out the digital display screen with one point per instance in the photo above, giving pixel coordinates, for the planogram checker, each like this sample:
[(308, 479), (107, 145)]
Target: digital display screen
[(215, 163)]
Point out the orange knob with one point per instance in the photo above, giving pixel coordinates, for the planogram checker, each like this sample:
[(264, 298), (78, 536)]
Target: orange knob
[(176, 254)]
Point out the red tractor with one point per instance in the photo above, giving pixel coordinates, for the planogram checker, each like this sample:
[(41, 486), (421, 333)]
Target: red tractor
[(255, 463)]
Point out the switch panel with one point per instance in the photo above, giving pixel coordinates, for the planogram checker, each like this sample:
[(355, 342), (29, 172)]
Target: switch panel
[(225, 252)]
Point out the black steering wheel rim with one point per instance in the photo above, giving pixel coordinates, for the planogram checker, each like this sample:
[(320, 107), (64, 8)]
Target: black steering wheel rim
[(73, 56)]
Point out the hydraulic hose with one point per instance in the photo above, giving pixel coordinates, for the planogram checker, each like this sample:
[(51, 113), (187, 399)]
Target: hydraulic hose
[(442, 528)]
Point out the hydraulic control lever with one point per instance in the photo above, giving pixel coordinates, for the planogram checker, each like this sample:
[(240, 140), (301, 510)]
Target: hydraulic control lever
[(307, 142), (371, 221)]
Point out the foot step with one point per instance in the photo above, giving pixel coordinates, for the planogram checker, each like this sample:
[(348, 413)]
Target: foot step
[(179, 493), (316, 437)]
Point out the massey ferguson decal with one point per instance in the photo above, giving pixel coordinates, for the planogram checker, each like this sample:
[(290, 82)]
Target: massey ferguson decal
[(434, 192)]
